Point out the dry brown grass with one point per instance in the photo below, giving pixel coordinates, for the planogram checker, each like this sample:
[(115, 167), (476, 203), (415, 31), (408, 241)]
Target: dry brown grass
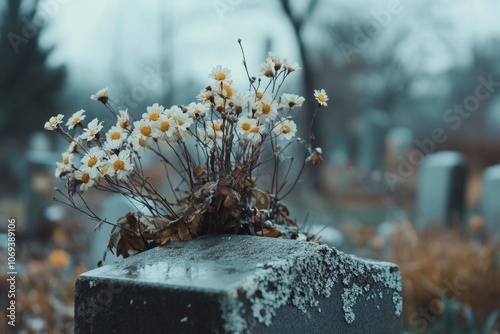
[(437, 265)]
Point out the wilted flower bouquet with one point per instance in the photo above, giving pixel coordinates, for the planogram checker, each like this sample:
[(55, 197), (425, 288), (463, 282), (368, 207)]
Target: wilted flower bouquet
[(213, 152)]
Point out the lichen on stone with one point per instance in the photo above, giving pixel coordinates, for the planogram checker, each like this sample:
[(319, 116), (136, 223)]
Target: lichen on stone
[(306, 275)]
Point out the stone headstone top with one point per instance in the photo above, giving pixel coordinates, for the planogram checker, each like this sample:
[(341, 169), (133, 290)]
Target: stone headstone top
[(374, 127), (441, 190), (241, 284), (490, 201)]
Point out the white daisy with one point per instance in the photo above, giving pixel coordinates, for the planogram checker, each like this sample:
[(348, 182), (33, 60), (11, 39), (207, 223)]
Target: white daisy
[(266, 108), (196, 110), (115, 138), (67, 158), (277, 60), (255, 133), (144, 128), (182, 121), (87, 176), (61, 168), (267, 68), (101, 95), (93, 159), (244, 125), (123, 119), (53, 122), (92, 130), (240, 101), (75, 119), (164, 128), (285, 129), (220, 74), (214, 128), (321, 97), (120, 165), (291, 100), (291, 67), (153, 112)]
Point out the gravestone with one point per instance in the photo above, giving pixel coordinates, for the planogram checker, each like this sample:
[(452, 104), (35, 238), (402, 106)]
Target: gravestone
[(112, 208), (441, 190), (491, 120), (399, 141), (490, 201), (240, 284), (373, 130), (38, 185), (328, 234)]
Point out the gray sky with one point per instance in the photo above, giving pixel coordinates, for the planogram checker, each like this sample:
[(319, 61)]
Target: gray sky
[(94, 37)]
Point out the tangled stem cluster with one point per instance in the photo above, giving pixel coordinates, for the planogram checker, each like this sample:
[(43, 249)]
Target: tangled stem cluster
[(217, 148)]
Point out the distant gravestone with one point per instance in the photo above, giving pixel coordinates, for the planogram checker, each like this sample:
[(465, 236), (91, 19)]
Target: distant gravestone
[(373, 130), (441, 190), (491, 199), (240, 284), (491, 120), (38, 186), (112, 208), (399, 141)]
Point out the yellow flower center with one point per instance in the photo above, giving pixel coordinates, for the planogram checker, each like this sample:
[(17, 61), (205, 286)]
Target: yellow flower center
[(196, 110), (116, 135), (66, 160), (104, 169), (53, 122), (321, 98), (123, 123), (228, 89), (217, 127), (285, 128), (154, 116), (266, 108), (180, 122), (118, 165), (259, 94), (146, 131), (245, 126), (92, 161), (255, 129), (219, 76), (85, 177), (165, 126), (92, 132), (75, 120)]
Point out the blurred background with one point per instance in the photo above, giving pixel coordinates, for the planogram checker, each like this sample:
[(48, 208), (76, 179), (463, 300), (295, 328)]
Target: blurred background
[(405, 80)]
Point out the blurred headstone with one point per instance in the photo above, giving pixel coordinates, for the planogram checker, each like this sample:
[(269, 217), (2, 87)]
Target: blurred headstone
[(329, 235), (399, 141), (38, 185), (491, 199), (373, 130), (491, 121), (441, 190)]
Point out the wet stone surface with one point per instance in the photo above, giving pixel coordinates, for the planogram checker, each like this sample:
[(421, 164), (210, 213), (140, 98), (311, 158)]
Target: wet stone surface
[(240, 284)]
